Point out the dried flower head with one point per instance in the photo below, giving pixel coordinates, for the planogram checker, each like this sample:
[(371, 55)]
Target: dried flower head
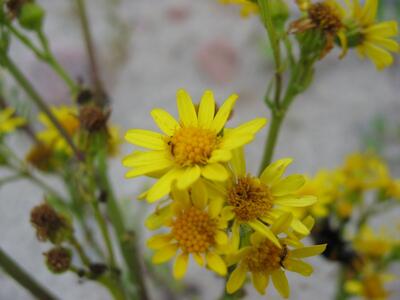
[(58, 259), (41, 157), (93, 118)]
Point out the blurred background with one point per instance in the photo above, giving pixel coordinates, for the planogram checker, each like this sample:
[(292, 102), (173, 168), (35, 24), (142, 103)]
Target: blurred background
[(147, 50)]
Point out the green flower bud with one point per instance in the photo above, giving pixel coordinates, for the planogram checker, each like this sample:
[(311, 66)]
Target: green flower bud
[(280, 13), (31, 16)]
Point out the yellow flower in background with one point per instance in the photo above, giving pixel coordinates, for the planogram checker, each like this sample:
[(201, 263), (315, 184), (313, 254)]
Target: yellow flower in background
[(248, 7), (363, 171), (8, 122), (303, 4), (371, 286), (373, 245), (264, 260), (372, 39), (195, 147), (196, 228), (258, 201), (67, 116)]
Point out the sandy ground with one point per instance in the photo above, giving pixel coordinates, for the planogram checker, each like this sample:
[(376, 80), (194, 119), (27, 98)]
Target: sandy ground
[(151, 48)]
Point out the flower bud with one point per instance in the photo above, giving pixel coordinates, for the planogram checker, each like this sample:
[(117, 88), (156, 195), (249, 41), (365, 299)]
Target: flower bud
[(49, 224), (58, 259), (280, 14), (31, 16)]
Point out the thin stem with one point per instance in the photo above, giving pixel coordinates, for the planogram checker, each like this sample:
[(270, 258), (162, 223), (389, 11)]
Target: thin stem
[(90, 49), (9, 179), (23, 278), (340, 292), (37, 99), (84, 258), (25, 40)]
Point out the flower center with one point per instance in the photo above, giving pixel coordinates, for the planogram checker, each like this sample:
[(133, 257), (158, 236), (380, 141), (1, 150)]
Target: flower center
[(194, 230), (325, 17), (266, 257), (250, 198), (193, 145)]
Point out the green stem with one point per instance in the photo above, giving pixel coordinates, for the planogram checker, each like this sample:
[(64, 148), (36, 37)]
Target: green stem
[(90, 49), (84, 258), (37, 99), (340, 292), (127, 240), (23, 278), (113, 287)]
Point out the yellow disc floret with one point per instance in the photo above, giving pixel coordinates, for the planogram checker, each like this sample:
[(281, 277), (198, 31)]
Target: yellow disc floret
[(266, 257), (193, 145), (194, 230), (250, 198)]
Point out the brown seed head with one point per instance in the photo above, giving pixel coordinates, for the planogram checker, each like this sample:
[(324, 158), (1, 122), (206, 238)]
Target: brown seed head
[(93, 118), (325, 17), (58, 259), (41, 157)]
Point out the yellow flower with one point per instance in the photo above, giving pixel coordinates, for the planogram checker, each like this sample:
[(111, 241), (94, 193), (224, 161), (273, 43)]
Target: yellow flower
[(373, 245), (67, 116), (371, 286), (196, 147), (263, 259), (363, 171), (372, 39), (8, 123), (258, 201), (114, 140), (248, 7), (196, 228)]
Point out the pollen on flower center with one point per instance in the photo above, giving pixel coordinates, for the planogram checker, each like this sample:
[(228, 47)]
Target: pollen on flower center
[(324, 17), (250, 198), (193, 145), (194, 230), (265, 257)]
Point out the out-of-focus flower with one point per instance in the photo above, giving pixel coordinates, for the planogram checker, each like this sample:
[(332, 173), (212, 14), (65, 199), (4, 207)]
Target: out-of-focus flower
[(8, 122), (303, 4), (372, 39), (263, 259), (58, 259), (197, 229), (247, 7), (41, 156), (371, 286), (260, 201), (194, 148), (373, 245)]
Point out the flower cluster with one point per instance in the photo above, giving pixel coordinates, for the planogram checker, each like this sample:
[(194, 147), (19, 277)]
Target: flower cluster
[(214, 210), (8, 121), (351, 26)]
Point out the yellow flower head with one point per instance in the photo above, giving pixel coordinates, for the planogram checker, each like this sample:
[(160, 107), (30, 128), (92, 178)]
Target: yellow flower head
[(264, 259), (196, 228), (197, 146), (259, 201), (67, 116), (371, 39), (248, 7), (8, 122), (371, 285)]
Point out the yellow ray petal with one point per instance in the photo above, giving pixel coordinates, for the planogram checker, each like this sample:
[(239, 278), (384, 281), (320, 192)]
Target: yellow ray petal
[(288, 185), (158, 241), (280, 282), (188, 176), (236, 279), (274, 171), (187, 112), (382, 29), (295, 201), (198, 259), (220, 155), (223, 113), (199, 195), (298, 266), (165, 254), (282, 223), (264, 230), (163, 186), (215, 172), (238, 162), (216, 263), (215, 206), (307, 251), (260, 281), (221, 238), (158, 218), (164, 121), (146, 138), (180, 265), (206, 109)]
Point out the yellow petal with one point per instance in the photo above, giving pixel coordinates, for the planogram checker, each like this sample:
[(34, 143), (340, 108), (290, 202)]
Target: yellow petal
[(264, 230), (165, 254), (280, 282), (380, 57), (382, 29), (215, 172), (164, 121), (198, 259), (299, 227), (235, 141), (238, 162), (369, 11), (199, 195), (216, 263), (220, 155), (187, 112), (143, 158), (188, 177), (146, 138), (180, 265), (274, 171), (159, 218), (181, 196), (147, 169), (221, 238), (354, 287), (215, 206), (307, 251), (206, 109), (223, 113), (236, 279), (298, 266), (385, 43), (260, 281), (282, 223), (295, 201), (288, 185), (158, 241), (162, 187)]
